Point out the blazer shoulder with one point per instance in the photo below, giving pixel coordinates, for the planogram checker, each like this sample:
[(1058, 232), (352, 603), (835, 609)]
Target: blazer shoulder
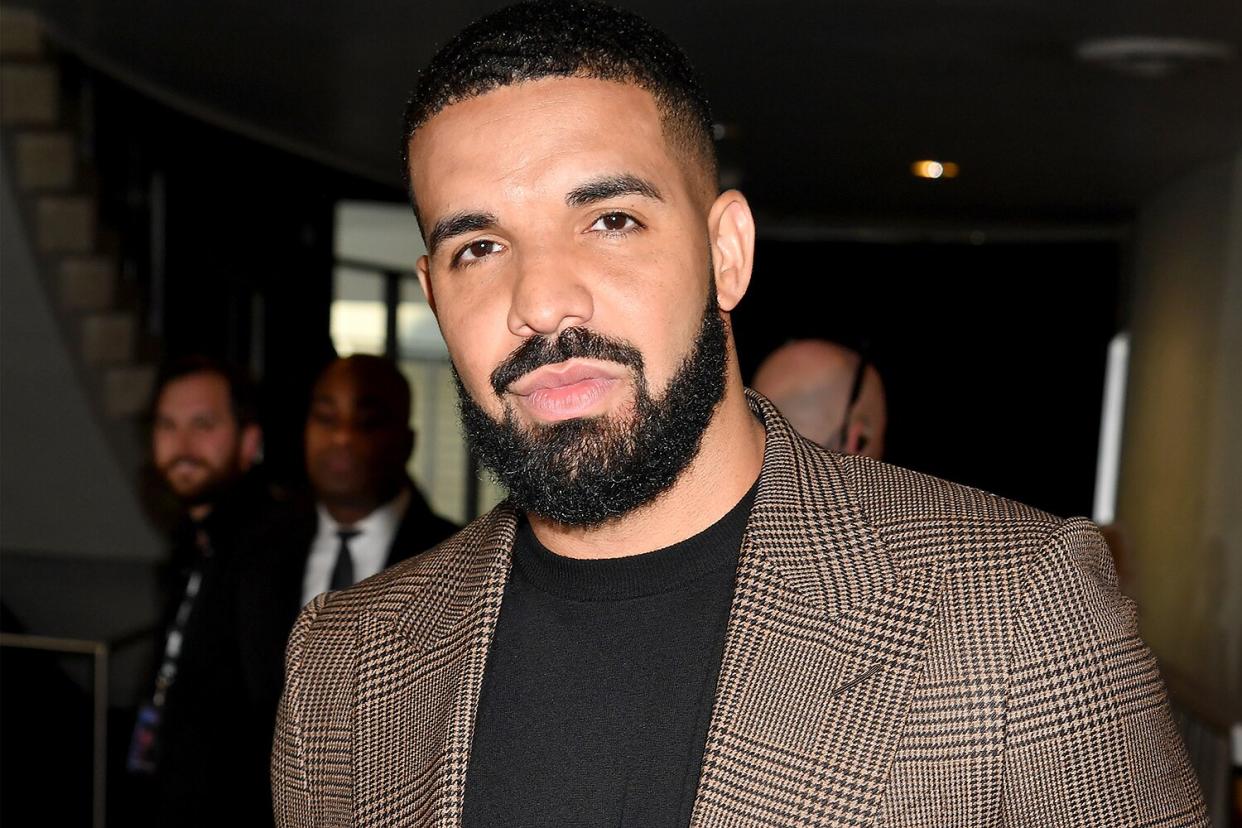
[(924, 518), (894, 493)]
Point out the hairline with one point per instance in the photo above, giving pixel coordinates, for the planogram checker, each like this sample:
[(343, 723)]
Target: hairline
[(682, 135), (241, 409)]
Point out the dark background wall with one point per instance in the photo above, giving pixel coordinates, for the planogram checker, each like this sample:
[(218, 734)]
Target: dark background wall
[(992, 354)]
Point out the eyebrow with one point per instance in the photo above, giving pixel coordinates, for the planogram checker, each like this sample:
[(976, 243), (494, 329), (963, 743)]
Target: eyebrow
[(599, 189), (612, 186), (457, 224)]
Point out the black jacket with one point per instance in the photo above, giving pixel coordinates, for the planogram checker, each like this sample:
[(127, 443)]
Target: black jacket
[(203, 718)]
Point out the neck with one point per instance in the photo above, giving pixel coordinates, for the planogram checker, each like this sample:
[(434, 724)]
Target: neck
[(729, 459), (349, 512)]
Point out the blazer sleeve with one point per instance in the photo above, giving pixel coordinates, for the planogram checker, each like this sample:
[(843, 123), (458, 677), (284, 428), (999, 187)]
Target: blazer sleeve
[(291, 801), (1090, 739)]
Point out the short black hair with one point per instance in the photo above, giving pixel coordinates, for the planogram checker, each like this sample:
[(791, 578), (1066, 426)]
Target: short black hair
[(565, 38), (243, 399)]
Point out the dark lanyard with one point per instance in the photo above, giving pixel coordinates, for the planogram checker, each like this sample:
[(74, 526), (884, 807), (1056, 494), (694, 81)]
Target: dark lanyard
[(144, 746), (176, 637)]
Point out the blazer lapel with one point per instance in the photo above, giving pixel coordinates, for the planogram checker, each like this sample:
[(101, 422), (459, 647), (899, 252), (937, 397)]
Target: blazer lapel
[(420, 666), (825, 642)]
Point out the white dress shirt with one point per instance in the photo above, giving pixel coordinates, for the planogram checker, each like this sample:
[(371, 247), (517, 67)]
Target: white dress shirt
[(368, 549)]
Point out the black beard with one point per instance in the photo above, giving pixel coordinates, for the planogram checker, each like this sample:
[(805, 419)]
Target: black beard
[(585, 471)]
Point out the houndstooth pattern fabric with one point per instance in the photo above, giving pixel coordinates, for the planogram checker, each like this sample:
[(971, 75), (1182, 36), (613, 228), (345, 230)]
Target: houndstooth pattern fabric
[(901, 651)]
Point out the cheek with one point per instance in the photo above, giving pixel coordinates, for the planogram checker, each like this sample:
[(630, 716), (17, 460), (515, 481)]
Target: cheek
[(661, 315), (220, 445), (478, 342), (161, 448)]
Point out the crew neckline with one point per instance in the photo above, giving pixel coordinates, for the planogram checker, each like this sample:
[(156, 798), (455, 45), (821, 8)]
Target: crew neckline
[(634, 576)]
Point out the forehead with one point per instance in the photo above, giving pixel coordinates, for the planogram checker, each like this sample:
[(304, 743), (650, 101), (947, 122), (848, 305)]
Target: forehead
[(342, 384), (205, 390), (535, 139)]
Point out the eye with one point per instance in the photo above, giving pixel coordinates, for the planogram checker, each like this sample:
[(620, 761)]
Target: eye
[(615, 223), (476, 250)]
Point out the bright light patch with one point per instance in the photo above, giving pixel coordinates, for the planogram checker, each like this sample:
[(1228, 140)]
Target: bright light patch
[(1112, 416), (934, 169)]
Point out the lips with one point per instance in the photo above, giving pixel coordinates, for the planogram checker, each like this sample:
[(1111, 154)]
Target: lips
[(561, 375), (565, 390)]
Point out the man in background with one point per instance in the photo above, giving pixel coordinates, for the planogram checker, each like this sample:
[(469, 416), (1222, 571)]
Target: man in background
[(831, 395), (365, 514), (205, 439)]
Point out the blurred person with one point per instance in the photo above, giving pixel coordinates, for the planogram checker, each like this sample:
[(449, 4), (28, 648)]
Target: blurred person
[(831, 395), (365, 514), (205, 442), (685, 613)]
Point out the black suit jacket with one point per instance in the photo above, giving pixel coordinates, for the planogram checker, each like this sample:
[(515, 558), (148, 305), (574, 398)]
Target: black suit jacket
[(205, 714), (269, 599)]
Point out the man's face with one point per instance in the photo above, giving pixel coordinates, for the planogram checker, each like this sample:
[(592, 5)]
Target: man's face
[(558, 206), (357, 442), (197, 445)]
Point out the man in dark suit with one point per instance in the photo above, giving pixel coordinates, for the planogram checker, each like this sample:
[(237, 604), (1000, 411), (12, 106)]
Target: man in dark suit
[(205, 439), (685, 615), (366, 514)]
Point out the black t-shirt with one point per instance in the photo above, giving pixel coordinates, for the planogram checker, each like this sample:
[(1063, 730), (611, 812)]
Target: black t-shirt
[(598, 690)]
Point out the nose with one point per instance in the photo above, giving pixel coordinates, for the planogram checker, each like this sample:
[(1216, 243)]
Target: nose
[(549, 294), (342, 434), (183, 440)]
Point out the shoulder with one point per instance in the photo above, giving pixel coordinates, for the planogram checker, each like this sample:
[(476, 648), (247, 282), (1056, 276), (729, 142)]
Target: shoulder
[(925, 519), (894, 494), (1020, 556), (919, 520)]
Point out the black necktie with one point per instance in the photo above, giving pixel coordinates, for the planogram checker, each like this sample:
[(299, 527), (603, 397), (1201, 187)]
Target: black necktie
[(343, 571)]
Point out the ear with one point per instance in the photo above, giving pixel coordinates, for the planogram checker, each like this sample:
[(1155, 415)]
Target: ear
[(731, 228), (424, 280), (860, 439), (250, 448)]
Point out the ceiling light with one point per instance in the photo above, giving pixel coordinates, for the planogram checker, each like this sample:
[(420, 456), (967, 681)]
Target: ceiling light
[(934, 169), (1152, 57)]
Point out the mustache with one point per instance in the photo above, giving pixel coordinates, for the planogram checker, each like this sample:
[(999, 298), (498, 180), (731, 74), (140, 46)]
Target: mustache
[(571, 343), (185, 458)]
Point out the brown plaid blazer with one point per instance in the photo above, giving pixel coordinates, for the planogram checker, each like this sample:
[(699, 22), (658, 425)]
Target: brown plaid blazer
[(901, 651)]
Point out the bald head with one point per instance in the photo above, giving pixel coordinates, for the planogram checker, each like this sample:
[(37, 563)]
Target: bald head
[(810, 381)]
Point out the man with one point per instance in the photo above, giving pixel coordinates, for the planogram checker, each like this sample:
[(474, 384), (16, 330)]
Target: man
[(358, 442), (684, 614), (830, 395), (366, 515), (205, 438)]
